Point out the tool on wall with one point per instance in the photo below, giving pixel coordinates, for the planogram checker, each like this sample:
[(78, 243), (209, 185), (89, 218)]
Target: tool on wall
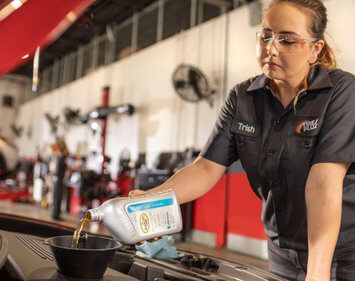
[(102, 112), (53, 122), (71, 116), (17, 130)]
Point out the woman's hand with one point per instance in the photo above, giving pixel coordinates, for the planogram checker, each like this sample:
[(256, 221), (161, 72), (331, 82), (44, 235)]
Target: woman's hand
[(136, 192)]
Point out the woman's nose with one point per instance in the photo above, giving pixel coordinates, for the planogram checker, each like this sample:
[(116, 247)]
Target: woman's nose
[(271, 48)]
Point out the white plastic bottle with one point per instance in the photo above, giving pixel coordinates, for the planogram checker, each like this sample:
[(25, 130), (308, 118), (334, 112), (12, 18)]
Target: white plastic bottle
[(134, 219)]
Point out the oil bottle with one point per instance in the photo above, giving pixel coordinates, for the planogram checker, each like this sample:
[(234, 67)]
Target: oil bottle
[(134, 219)]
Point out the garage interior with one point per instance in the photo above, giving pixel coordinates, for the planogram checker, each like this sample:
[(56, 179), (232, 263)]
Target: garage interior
[(102, 97)]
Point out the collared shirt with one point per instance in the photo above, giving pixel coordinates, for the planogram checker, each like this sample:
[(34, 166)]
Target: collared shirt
[(277, 147)]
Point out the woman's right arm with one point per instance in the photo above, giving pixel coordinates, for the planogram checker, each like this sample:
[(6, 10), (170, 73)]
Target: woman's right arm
[(192, 181)]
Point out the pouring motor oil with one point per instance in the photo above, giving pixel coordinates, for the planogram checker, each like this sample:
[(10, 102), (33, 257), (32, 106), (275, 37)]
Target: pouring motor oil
[(134, 219)]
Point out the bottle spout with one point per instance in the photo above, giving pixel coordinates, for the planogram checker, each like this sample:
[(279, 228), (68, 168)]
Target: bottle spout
[(94, 215)]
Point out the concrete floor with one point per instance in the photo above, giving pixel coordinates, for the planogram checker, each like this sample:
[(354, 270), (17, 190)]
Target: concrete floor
[(34, 211)]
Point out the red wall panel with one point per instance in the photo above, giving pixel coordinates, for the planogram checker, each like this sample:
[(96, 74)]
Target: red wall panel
[(210, 211), (244, 208), (241, 216)]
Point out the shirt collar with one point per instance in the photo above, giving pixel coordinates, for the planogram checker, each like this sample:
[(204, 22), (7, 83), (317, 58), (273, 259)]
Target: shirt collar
[(318, 78)]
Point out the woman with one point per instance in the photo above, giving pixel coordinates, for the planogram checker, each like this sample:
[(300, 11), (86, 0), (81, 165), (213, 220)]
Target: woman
[(293, 130)]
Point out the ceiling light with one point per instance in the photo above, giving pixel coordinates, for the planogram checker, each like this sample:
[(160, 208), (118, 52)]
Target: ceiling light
[(10, 8), (71, 16), (35, 70), (16, 4)]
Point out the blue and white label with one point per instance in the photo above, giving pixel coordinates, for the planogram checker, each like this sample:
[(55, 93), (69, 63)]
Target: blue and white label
[(150, 205), (153, 216)]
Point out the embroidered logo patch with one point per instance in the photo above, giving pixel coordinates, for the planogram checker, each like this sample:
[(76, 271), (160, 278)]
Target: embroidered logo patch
[(306, 126)]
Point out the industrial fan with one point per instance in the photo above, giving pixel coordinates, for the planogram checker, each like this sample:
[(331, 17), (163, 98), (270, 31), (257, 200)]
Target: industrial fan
[(191, 84)]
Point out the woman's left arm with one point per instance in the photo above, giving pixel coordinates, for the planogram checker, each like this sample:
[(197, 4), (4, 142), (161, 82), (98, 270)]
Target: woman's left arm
[(323, 194)]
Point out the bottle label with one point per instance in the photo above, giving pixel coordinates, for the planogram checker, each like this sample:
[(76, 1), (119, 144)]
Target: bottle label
[(153, 217)]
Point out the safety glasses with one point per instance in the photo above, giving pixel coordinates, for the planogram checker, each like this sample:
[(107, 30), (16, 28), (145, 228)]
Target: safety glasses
[(285, 43)]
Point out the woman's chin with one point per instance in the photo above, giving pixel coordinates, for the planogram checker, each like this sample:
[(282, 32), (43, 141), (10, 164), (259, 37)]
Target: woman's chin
[(271, 73)]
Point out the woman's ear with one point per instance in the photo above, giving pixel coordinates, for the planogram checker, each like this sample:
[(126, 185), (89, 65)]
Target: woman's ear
[(316, 49)]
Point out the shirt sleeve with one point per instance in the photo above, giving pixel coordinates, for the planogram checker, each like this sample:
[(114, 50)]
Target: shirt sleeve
[(336, 140), (220, 146)]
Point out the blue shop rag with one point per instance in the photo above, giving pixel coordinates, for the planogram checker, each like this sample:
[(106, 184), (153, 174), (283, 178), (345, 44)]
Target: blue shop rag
[(163, 249)]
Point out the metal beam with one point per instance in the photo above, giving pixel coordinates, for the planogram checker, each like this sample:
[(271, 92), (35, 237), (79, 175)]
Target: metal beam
[(193, 13), (110, 45), (160, 20), (95, 52), (80, 63), (200, 12), (134, 39), (55, 74)]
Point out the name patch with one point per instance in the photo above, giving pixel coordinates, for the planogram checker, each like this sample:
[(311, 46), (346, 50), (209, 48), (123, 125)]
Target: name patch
[(245, 128)]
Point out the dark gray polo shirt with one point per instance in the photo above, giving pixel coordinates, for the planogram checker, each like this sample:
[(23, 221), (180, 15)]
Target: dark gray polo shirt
[(277, 147)]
